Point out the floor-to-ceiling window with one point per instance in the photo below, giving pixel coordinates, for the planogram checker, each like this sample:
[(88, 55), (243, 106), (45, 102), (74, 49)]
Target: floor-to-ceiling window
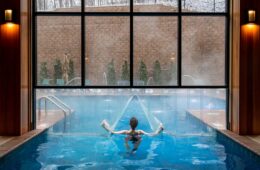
[(82, 44)]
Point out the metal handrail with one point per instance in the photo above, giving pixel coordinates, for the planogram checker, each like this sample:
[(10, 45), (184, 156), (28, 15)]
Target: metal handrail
[(62, 103), (65, 108)]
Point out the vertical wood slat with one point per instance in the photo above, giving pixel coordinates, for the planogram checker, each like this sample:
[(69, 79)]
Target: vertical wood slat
[(10, 71), (250, 70)]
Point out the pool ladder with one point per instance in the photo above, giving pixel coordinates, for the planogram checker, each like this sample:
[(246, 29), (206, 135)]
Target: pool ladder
[(57, 102)]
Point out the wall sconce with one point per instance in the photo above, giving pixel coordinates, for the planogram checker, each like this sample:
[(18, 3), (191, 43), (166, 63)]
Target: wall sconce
[(251, 16), (8, 15)]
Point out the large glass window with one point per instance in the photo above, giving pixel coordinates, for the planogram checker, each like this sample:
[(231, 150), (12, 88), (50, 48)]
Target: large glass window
[(131, 43), (155, 5), (107, 51), (57, 5), (203, 50), (204, 5), (155, 50), (107, 5), (58, 50), (90, 45)]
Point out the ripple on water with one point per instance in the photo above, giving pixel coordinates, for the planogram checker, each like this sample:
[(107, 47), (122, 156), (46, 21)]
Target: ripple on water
[(201, 146), (64, 167)]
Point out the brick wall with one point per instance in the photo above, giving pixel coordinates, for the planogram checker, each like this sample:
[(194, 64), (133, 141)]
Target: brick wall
[(155, 38), (57, 36)]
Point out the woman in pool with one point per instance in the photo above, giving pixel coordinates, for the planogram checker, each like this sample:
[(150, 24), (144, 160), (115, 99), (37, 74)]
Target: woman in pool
[(132, 134)]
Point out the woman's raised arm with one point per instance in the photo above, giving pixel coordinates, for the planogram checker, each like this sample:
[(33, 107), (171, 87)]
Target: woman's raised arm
[(157, 132), (107, 127)]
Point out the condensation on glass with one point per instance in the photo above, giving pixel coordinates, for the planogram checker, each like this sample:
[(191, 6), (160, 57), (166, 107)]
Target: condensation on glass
[(155, 51), (58, 50), (58, 5), (204, 6), (107, 51), (203, 50)]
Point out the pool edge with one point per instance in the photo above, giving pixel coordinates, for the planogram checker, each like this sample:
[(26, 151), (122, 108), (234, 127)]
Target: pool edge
[(242, 140)]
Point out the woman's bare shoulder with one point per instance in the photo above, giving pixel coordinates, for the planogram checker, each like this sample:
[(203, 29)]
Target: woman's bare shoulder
[(140, 132), (128, 131)]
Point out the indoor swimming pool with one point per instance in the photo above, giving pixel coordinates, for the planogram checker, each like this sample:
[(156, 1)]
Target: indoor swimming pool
[(79, 142)]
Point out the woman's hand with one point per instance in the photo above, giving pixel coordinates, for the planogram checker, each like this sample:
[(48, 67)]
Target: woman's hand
[(161, 128), (106, 126)]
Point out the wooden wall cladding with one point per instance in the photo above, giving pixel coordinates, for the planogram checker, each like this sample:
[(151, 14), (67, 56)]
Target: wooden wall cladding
[(10, 70), (235, 62), (249, 70)]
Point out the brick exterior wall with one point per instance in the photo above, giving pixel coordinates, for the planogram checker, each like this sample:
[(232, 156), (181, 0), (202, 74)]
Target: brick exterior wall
[(57, 36), (203, 49), (155, 38)]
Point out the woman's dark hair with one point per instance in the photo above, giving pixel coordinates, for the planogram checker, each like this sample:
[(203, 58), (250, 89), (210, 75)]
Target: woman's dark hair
[(133, 123)]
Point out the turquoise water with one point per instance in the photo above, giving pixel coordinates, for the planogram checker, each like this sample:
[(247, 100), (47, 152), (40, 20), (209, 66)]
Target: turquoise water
[(80, 143)]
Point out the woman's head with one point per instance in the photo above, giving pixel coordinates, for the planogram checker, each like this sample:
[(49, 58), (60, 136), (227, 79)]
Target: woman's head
[(133, 123)]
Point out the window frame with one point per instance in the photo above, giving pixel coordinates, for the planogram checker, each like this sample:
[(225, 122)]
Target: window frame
[(131, 14)]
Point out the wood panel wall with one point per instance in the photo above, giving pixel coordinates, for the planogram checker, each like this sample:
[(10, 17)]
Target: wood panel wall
[(245, 69), (14, 110), (26, 81), (235, 65)]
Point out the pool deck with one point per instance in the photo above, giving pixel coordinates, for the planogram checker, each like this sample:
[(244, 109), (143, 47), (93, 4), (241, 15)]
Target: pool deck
[(213, 118)]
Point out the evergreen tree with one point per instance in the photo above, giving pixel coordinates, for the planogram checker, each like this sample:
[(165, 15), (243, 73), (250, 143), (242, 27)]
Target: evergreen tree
[(157, 73), (173, 73), (143, 74), (43, 71), (125, 71), (57, 70), (71, 69), (111, 73)]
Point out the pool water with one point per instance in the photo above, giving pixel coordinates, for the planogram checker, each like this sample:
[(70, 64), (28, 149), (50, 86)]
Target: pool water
[(79, 142)]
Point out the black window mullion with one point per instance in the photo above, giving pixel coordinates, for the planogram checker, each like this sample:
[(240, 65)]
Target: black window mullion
[(34, 69), (227, 64), (83, 43), (179, 60), (127, 87), (131, 43)]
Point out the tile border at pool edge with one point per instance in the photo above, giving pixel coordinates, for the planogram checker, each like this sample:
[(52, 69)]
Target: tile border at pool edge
[(242, 140)]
